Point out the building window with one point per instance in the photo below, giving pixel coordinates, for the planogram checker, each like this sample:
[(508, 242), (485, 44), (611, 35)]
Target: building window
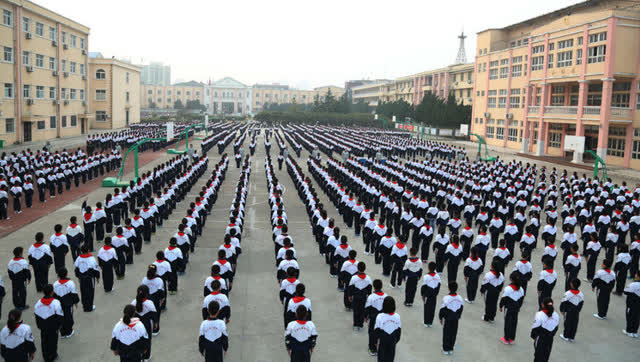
[(512, 134), (82, 43), (491, 102), (514, 102), (597, 54), (9, 125), (168, 92), (500, 133), (63, 93), (52, 33), (39, 60), (516, 70), (26, 91), (40, 92), (52, 63), (564, 59), (635, 151), (82, 69), (25, 57), (64, 37), (73, 40), (620, 100), (82, 94), (72, 67), (504, 72), (557, 100), (101, 94), (615, 147), (101, 116), (52, 122), (39, 29), (74, 121), (64, 121), (8, 54), (537, 63), (127, 77), (25, 24), (7, 17), (52, 92), (537, 49), (127, 97), (550, 61), (168, 100), (63, 65), (490, 132), (502, 102), (188, 93), (573, 100), (565, 44), (555, 139), (41, 125), (595, 38), (594, 99), (493, 74), (101, 74), (72, 93), (8, 90)]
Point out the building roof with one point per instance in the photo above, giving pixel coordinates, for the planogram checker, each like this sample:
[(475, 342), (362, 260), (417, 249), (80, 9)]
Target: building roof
[(227, 82), (560, 12), (271, 86), (96, 55), (191, 83)]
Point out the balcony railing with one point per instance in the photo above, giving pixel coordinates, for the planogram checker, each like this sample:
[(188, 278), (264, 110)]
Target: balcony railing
[(591, 110), (561, 110), (534, 109), (621, 112)]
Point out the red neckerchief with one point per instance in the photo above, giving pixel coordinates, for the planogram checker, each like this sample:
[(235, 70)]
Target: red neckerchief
[(47, 300), (297, 299)]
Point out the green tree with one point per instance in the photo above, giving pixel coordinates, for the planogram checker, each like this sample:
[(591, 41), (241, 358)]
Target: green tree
[(178, 104)]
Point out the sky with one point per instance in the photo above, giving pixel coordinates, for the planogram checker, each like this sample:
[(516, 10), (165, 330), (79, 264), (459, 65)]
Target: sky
[(303, 44)]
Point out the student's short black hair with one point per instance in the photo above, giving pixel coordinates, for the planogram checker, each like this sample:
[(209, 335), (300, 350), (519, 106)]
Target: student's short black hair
[(362, 267), (389, 305), (575, 283), (432, 266), (17, 251), (453, 286), (377, 284)]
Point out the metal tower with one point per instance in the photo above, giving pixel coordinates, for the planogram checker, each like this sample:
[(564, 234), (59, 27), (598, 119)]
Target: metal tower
[(462, 56)]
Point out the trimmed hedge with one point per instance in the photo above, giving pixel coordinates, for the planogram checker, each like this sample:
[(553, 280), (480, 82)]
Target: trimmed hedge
[(323, 118)]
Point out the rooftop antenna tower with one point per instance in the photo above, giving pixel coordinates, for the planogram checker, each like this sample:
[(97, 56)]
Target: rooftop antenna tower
[(462, 56)]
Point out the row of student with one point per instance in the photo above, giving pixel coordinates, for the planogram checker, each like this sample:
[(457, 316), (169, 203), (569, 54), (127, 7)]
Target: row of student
[(492, 284), (27, 174), (88, 272), (213, 340), (377, 307)]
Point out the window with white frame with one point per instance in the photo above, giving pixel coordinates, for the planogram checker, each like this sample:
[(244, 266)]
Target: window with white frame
[(25, 57), (72, 93), (578, 56), (555, 139), (101, 74), (550, 61), (500, 133), (8, 90), (63, 65), (101, 94), (635, 149), (490, 132), (63, 93), (514, 102), (557, 100), (52, 92), (73, 40), (493, 64), (52, 122), (564, 59), (491, 102), (26, 91), (8, 55), (620, 100), (52, 63), (502, 102), (493, 74), (74, 121), (101, 116), (40, 92), (516, 60), (512, 134), (638, 101), (82, 95), (537, 63), (565, 44), (39, 60), (39, 29), (9, 125), (7, 17), (25, 24), (596, 38), (52, 33), (64, 37), (82, 43), (597, 54), (516, 70), (504, 72), (72, 67), (537, 49)]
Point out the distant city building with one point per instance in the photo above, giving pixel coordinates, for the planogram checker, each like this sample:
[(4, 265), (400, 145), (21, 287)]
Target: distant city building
[(350, 84), (155, 73), (165, 97), (228, 96)]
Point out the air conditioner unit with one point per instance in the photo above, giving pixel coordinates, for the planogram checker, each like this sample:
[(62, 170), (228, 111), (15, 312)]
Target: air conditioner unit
[(84, 103), (84, 77), (66, 102), (54, 43), (487, 115), (469, 81), (28, 35), (509, 115), (29, 101), (65, 46), (84, 52), (56, 102), (66, 74), (29, 68), (456, 83), (55, 73)]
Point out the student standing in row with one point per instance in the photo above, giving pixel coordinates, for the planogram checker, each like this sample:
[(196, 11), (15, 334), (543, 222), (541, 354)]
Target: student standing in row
[(373, 307), (429, 292), (65, 291), (512, 298), (129, 337), (213, 342), (20, 275), (633, 307), (449, 315), (16, 339), (544, 328), (388, 329), (300, 337), (49, 315), (86, 268), (570, 308), (40, 258)]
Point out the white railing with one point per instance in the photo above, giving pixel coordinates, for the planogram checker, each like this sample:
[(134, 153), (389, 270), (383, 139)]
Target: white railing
[(561, 110), (591, 110), (621, 112), (534, 109)]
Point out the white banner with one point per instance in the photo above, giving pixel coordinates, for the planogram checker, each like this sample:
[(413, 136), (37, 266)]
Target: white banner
[(170, 135), (464, 129)]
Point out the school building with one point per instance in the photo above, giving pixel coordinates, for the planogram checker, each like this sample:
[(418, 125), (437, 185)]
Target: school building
[(571, 72)]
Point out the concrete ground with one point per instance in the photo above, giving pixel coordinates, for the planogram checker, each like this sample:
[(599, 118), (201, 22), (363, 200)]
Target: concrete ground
[(256, 330)]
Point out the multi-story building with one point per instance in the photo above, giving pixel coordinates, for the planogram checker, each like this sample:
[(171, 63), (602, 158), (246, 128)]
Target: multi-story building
[(155, 73), (371, 93), (350, 84), (571, 72), (281, 94), (165, 97), (44, 74), (114, 93), (228, 96)]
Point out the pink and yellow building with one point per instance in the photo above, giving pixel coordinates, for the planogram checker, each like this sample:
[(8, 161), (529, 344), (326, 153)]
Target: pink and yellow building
[(572, 72)]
